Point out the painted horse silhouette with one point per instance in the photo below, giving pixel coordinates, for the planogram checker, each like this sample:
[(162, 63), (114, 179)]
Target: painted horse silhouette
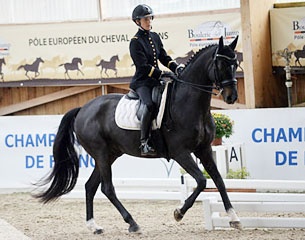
[(32, 68), (240, 59), (186, 58), (2, 61), (109, 65), (299, 54), (72, 66)]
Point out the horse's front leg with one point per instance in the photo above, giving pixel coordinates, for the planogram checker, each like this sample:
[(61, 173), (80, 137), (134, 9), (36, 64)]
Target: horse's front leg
[(37, 74), (188, 164), (206, 158)]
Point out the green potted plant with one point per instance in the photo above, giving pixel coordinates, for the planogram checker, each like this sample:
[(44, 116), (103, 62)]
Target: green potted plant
[(224, 127)]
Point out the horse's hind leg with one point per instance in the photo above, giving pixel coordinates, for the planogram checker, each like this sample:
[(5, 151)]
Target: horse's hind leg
[(26, 74), (91, 187), (107, 187), (206, 157), (106, 72)]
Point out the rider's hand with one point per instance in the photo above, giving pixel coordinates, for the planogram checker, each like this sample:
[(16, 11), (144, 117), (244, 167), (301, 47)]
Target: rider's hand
[(179, 69)]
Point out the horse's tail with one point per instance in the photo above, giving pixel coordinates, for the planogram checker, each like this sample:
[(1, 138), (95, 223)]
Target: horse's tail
[(21, 66), (66, 162), (61, 65)]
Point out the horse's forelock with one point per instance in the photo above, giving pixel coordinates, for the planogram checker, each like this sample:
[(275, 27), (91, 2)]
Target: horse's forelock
[(227, 51)]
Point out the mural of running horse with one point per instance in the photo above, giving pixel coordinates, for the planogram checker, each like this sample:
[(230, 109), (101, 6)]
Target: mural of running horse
[(192, 130), (111, 64), (72, 66), (185, 58), (2, 61), (32, 68), (299, 54)]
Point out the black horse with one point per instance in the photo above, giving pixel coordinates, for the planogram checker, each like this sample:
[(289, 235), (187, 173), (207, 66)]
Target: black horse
[(111, 64), (2, 61), (32, 67), (72, 66), (192, 131)]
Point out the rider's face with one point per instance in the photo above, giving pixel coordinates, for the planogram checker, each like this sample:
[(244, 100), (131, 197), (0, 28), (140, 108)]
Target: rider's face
[(146, 22)]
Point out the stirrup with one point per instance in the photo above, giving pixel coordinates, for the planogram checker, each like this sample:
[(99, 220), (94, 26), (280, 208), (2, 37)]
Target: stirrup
[(147, 150)]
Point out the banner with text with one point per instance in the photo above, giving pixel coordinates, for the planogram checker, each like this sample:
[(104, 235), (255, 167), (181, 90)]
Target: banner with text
[(273, 142), (288, 32), (100, 50)]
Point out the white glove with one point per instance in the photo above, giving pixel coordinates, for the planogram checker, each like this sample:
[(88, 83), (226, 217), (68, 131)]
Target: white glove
[(179, 69)]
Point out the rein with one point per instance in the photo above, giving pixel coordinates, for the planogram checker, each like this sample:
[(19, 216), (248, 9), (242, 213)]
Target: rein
[(200, 87), (205, 88)]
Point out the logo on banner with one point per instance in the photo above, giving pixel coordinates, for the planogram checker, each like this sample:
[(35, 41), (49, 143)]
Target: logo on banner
[(4, 48), (208, 33), (299, 29)]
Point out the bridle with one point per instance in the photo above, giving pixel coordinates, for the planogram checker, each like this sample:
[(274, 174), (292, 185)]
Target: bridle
[(217, 84)]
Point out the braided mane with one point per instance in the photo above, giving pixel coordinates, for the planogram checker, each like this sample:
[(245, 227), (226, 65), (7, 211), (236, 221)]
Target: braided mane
[(198, 53)]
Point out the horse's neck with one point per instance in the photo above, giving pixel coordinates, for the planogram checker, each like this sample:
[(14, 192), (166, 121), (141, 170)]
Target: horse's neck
[(190, 104), (194, 100), (113, 59)]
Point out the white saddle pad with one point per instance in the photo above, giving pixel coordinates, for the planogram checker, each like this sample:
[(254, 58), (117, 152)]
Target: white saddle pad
[(125, 113)]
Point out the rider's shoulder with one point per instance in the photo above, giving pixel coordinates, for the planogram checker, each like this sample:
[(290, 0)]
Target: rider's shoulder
[(134, 38)]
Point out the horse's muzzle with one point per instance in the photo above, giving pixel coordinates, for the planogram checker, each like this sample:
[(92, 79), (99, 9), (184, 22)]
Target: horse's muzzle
[(229, 92)]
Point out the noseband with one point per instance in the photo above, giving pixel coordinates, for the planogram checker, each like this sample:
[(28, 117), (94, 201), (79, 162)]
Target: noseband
[(225, 82), (219, 85)]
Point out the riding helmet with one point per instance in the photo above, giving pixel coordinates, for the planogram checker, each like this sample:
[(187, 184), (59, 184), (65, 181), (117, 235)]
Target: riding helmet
[(142, 11)]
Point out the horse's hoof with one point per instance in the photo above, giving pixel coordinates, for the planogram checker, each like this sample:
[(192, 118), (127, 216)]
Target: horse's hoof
[(236, 225), (92, 226), (135, 229), (98, 231), (178, 215)]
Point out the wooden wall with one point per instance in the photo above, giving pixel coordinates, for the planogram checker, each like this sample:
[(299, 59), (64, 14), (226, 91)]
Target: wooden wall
[(58, 100), (43, 100)]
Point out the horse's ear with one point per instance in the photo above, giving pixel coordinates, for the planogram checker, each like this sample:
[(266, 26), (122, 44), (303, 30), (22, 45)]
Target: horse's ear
[(234, 43), (220, 43)]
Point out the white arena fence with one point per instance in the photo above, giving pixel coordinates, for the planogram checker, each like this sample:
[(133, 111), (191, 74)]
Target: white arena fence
[(137, 188), (260, 197)]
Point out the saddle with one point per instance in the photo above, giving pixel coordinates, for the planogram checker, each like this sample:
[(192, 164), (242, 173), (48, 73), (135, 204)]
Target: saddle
[(156, 98), (129, 110)]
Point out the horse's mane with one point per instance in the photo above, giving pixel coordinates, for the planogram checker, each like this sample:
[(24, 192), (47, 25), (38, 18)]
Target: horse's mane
[(198, 53)]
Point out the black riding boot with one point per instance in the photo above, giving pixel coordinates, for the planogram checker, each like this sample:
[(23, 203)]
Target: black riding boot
[(146, 121)]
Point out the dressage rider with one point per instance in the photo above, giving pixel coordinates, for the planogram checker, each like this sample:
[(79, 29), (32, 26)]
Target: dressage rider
[(146, 49)]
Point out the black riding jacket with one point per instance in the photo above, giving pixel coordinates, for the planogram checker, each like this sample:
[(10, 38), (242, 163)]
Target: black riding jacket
[(146, 49)]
